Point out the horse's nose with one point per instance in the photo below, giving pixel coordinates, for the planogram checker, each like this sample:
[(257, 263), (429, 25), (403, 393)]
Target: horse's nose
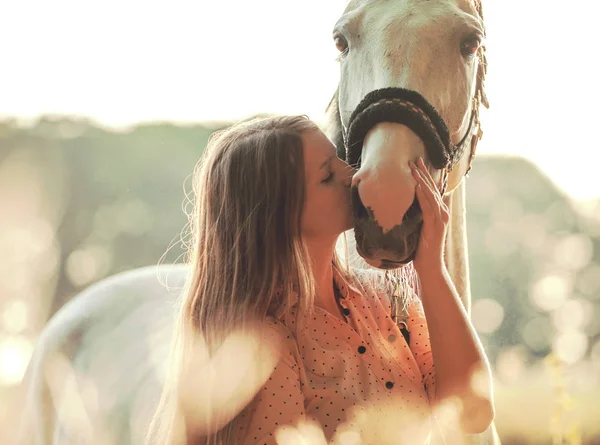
[(358, 208), (356, 178), (349, 174)]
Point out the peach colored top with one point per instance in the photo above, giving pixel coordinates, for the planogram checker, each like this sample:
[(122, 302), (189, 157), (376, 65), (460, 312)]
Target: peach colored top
[(334, 370)]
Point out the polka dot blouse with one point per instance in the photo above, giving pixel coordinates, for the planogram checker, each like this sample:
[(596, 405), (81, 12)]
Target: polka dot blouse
[(335, 372)]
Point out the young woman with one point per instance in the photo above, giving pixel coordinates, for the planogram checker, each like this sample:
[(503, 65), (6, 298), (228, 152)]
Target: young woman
[(274, 332)]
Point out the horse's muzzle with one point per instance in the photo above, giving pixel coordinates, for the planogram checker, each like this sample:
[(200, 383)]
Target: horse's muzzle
[(397, 246), (386, 250)]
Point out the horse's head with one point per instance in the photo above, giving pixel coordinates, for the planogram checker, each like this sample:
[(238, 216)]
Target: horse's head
[(410, 86)]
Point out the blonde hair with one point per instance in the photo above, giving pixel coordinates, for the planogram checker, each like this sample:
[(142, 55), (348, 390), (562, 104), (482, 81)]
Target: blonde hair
[(246, 255)]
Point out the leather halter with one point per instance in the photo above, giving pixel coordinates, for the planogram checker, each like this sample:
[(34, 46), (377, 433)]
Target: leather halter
[(479, 99), (474, 131), (413, 110)]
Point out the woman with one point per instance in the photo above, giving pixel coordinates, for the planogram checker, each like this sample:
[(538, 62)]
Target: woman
[(272, 199)]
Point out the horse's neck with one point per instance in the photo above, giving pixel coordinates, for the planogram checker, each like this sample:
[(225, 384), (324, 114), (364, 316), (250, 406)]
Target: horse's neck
[(456, 255)]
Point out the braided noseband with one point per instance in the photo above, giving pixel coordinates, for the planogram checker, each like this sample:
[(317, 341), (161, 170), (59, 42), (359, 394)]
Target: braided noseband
[(409, 108), (401, 106)]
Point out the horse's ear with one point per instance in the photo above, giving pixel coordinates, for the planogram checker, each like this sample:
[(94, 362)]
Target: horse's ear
[(334, 126)]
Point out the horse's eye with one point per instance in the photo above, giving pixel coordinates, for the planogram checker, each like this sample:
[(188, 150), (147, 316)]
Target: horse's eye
[(340, 43), (470, 45)]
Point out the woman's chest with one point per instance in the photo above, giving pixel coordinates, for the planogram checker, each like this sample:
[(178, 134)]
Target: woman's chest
[(360, 359)]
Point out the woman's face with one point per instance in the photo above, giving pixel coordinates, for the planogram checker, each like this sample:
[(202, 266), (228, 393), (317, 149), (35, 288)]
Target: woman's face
[(328, 205)]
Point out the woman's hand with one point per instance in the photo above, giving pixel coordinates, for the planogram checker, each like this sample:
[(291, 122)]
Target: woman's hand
[(430, 252)]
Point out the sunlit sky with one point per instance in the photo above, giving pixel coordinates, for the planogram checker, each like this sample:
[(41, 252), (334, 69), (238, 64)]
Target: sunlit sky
[(128, 61)]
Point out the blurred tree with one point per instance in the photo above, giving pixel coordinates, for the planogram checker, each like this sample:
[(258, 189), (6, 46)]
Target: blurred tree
[(124, 193), (527, 246)]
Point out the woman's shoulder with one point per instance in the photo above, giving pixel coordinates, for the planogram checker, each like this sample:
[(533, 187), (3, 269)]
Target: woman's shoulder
[(275, 327)]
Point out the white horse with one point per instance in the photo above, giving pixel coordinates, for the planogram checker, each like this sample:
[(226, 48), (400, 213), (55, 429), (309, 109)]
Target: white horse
[(96, 373)]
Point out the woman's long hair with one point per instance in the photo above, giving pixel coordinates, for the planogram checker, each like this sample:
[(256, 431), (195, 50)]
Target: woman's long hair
[(246, 254)]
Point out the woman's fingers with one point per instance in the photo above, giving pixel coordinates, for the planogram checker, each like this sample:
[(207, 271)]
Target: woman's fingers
[(425, 173), (421, 196), (426, 208), (434, 187), (435, 218), (425, 194), (420, 172)]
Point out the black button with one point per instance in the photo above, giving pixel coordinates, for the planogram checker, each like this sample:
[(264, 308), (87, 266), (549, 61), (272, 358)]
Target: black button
[(346, 311), (362, 349), (405, 332), (389, 385)]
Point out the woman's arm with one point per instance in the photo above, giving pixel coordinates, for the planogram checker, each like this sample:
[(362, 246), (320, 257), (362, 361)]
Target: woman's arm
[(462, 371)]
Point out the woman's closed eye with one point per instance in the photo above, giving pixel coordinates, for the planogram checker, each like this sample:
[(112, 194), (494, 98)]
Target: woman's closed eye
[(328, 178)]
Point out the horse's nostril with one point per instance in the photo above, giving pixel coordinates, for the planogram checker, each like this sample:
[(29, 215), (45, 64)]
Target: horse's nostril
[(356, 178), (359, 210)]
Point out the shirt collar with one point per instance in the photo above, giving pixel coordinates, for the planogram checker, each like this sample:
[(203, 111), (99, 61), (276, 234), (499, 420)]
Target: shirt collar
[(347, 289)]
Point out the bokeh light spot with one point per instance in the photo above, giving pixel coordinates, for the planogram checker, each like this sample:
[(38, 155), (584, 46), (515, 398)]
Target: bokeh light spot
[(487, 315), (571, 315), (570, 346), (551, 291), (88, 264), (574, 252), (510, 364), (15, 352)]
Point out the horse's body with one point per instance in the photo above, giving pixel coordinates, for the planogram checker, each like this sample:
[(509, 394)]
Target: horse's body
[(97, 369), (98, 366)]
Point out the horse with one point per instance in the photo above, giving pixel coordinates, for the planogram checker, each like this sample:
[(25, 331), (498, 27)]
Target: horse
[(411, 84)]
